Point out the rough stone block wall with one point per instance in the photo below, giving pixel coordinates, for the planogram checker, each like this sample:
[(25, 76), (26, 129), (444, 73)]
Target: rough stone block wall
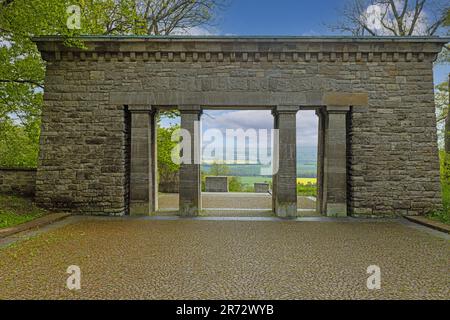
[(393, 155), (83, 163), (394, 163), (18, 181)]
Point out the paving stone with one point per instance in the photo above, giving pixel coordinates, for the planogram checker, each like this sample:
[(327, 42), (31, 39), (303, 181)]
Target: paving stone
[(185, 259)]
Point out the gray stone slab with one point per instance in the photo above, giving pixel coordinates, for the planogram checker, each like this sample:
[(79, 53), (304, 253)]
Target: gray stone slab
[(216, 184)]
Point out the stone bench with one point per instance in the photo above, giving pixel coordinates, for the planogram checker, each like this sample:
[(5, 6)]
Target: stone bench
[(216, 184), (262, 187)]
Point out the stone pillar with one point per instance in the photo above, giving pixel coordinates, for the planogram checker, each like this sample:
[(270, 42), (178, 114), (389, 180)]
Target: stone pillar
[(320, 160), (190, 180), (285, 159), (143, 188), (335, 162)]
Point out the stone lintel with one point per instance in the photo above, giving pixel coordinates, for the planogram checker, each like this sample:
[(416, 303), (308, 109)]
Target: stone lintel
[(186, 108), (285, 109), (193, 101), (345, 99), (338, 109), (140, 108), (308, 108)]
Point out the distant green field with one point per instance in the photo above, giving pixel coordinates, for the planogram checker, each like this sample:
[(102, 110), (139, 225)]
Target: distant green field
[(250, 181), (304, 187)]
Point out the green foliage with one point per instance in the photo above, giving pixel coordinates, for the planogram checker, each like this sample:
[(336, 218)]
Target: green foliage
[(235, 185), (441, 101), (22, 75), (22, 69), (248, 183), (166, 167), (444, 215), (445, 167), (307, 190), (16, 210), (445, 175), (218, 169), (19, 145)]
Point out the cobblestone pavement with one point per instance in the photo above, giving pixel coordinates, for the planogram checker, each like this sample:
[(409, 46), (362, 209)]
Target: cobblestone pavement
[(187, 259)]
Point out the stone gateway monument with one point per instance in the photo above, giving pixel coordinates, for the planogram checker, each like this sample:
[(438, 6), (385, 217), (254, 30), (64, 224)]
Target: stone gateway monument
[(378, 152)]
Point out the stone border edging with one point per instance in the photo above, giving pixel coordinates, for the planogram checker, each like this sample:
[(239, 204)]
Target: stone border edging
[(34, 224), (439, 226)]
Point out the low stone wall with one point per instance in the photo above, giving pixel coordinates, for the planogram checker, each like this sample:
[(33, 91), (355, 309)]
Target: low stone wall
[(18, 181)]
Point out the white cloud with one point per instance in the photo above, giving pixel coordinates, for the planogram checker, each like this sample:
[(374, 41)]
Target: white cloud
[(373, 17), (238, 119), (307, 128), (307, 123)]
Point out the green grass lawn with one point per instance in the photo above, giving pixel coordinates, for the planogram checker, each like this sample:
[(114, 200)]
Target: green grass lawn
[(15, 210), (444, 215), (250, 181), (307, 190)]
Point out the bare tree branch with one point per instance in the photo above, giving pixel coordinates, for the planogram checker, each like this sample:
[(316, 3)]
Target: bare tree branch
[(32, 82), (396, 17), (417, 12)]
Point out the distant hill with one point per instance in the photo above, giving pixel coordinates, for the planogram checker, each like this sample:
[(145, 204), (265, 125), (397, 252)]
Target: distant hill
[(306, 165)]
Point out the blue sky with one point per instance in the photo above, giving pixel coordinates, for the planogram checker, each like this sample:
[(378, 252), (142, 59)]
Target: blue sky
[(287, 17), (284, 17)]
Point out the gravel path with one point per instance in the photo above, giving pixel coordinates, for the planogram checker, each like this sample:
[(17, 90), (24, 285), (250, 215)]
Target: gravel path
[(185, 259)]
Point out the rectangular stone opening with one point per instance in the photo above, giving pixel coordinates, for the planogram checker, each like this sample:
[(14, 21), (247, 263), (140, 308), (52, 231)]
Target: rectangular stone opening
[(236, 170), (308, 154), (168, 172)]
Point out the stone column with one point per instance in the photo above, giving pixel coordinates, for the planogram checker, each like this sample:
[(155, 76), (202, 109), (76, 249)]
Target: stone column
[(335, 162), (143, 161), (190, 180), (285, 159), (320, 160)]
